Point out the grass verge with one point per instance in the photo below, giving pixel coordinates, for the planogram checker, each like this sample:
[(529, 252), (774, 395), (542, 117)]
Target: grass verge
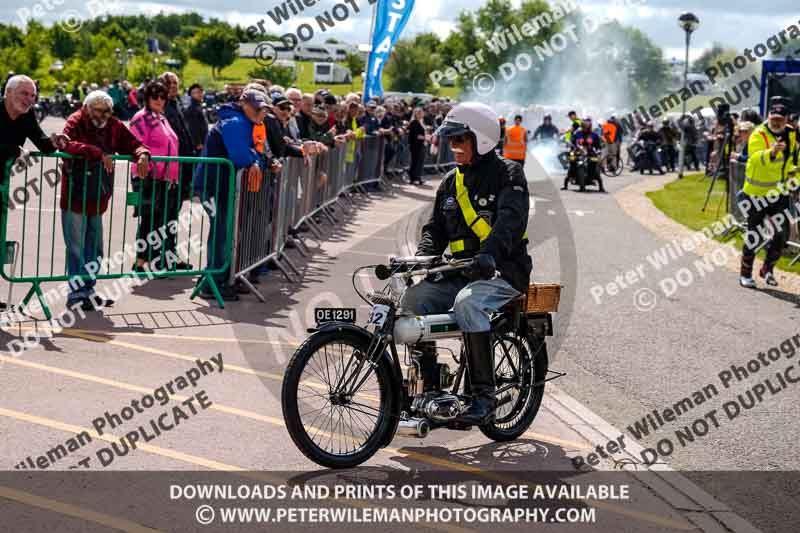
[(682, 201)]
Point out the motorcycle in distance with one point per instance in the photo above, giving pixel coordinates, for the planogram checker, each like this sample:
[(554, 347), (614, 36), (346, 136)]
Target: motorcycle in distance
[(648, 155), (581, 157), (344, 395)]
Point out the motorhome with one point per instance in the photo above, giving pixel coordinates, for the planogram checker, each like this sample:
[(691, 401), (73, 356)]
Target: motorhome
[(331, 73)]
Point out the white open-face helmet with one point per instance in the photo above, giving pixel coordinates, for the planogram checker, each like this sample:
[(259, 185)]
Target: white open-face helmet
[(475, 118)]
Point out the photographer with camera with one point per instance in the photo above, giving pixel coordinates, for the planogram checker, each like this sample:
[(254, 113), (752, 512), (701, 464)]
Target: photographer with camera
[(772, 160)]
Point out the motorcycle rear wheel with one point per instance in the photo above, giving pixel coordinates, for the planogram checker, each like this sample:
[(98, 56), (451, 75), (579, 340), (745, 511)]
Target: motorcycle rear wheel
[(523, 363), (333, 431)]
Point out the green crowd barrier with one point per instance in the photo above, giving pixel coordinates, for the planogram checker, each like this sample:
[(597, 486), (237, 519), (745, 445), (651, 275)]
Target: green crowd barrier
[(163, 222)]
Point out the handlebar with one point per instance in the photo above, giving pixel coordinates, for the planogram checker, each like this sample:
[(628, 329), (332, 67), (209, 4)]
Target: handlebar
[(407, 267)]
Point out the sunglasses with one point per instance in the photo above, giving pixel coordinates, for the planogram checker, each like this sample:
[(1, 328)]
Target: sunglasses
[(285, 107), (458, 139)]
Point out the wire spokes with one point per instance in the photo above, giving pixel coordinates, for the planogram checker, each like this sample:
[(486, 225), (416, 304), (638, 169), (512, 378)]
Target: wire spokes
[(338, 417)]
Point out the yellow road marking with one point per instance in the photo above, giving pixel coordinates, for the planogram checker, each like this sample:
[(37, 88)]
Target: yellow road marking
[(108, 437), (74, 511), (425, 458), (193, 459), (159, 336), (556, 440)]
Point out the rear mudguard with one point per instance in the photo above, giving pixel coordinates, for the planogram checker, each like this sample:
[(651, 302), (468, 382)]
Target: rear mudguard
[(397, 374)]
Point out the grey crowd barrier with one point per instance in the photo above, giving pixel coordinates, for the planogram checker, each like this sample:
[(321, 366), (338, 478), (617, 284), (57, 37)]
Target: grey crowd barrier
[(308, 192)]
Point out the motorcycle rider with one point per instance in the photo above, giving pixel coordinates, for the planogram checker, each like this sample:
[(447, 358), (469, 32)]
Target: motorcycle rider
[(574, 125), (480, 212), (588, 139), (670, 136), (647, 140), (546, 131)]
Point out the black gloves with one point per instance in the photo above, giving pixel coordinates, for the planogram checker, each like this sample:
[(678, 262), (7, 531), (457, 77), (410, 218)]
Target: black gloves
[(483, 266)]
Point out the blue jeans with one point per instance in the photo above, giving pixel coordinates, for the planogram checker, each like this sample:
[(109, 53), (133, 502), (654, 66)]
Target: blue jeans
[(470, 302), (83, 237)]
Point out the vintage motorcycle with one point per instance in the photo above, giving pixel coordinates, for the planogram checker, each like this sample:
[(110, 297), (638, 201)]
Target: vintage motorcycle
[(345, 395)]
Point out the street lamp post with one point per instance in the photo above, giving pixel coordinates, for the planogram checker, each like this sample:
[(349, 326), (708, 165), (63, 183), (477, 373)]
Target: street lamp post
[(688, 22)]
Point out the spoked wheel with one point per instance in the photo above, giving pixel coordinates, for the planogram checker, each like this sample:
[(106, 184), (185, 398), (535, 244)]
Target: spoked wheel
[(613, 170), (333, 420), (520, 370)]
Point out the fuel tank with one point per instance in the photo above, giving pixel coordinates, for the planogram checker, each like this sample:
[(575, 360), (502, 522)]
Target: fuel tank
[(414, 329)]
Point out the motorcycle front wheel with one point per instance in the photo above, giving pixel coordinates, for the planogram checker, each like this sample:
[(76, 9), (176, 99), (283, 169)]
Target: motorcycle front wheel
[(328, 424)]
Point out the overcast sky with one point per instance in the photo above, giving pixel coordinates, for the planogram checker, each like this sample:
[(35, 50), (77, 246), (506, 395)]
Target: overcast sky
[(732, 22)]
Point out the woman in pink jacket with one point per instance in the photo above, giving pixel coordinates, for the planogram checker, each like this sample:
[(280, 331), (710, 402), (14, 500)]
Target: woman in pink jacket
[(159, 191)]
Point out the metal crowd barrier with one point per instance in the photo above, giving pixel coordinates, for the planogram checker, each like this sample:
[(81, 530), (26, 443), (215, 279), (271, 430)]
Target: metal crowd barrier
[(144, 218), (301, 198), (400, 163)]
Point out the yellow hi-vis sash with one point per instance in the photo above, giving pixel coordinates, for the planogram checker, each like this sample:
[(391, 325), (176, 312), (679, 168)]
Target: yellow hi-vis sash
[(477, 224)]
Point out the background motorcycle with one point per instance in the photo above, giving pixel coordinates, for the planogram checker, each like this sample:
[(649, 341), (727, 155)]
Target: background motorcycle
[(649, 156), (582, 159)]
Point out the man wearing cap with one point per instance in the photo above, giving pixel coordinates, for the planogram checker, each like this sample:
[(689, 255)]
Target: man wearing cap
[(230, 138), (280, 140), (370, 122), (771, 173)]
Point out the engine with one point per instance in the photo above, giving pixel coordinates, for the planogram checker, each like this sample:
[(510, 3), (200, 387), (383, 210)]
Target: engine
[(438, 406), (433, 404)]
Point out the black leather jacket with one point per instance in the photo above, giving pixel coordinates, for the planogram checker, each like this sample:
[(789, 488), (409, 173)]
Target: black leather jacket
[(498, 191)]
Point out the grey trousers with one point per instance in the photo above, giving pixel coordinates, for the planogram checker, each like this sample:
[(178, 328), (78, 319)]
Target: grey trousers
[(470, 302)]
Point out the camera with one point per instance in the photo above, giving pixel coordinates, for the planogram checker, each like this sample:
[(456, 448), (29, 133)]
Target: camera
[(723, 112)]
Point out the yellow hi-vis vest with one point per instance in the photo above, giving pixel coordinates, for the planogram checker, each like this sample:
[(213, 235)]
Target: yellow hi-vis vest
[(568, 135), (351, 145), (763, 174), (477, 223)]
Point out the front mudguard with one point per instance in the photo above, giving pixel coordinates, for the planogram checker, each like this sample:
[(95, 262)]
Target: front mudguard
[(397, 374)]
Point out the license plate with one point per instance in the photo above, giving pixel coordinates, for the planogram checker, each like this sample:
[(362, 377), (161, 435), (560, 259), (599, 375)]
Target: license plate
[(334, 314), (378, 315)]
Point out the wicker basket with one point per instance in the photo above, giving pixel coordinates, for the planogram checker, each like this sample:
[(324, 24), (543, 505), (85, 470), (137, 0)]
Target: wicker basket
[(543, 297)]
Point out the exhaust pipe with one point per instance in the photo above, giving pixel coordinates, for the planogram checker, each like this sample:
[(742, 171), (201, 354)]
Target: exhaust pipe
[(414, 427)]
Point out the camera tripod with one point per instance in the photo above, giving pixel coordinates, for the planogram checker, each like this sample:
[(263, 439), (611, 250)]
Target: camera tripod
[(726, 148)]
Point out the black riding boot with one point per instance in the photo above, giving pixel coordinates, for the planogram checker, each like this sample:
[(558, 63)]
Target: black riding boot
[(428, 365), (480, 366)]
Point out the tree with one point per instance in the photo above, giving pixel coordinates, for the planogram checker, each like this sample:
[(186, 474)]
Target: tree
[(63, 44), (331, 40), (214, 47), (277, 75), (709, 57), (355, 64), (409, 66)]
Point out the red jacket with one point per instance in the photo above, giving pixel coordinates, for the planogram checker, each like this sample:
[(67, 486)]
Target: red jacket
[(91, 143)]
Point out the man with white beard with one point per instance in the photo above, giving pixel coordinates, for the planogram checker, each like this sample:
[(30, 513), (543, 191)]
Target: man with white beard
[(87, 183)]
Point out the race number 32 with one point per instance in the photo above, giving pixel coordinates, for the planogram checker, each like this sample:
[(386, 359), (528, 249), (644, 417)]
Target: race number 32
[(378, 315)]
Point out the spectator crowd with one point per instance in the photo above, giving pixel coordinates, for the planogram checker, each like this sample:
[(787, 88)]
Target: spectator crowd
[(256, 126)]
